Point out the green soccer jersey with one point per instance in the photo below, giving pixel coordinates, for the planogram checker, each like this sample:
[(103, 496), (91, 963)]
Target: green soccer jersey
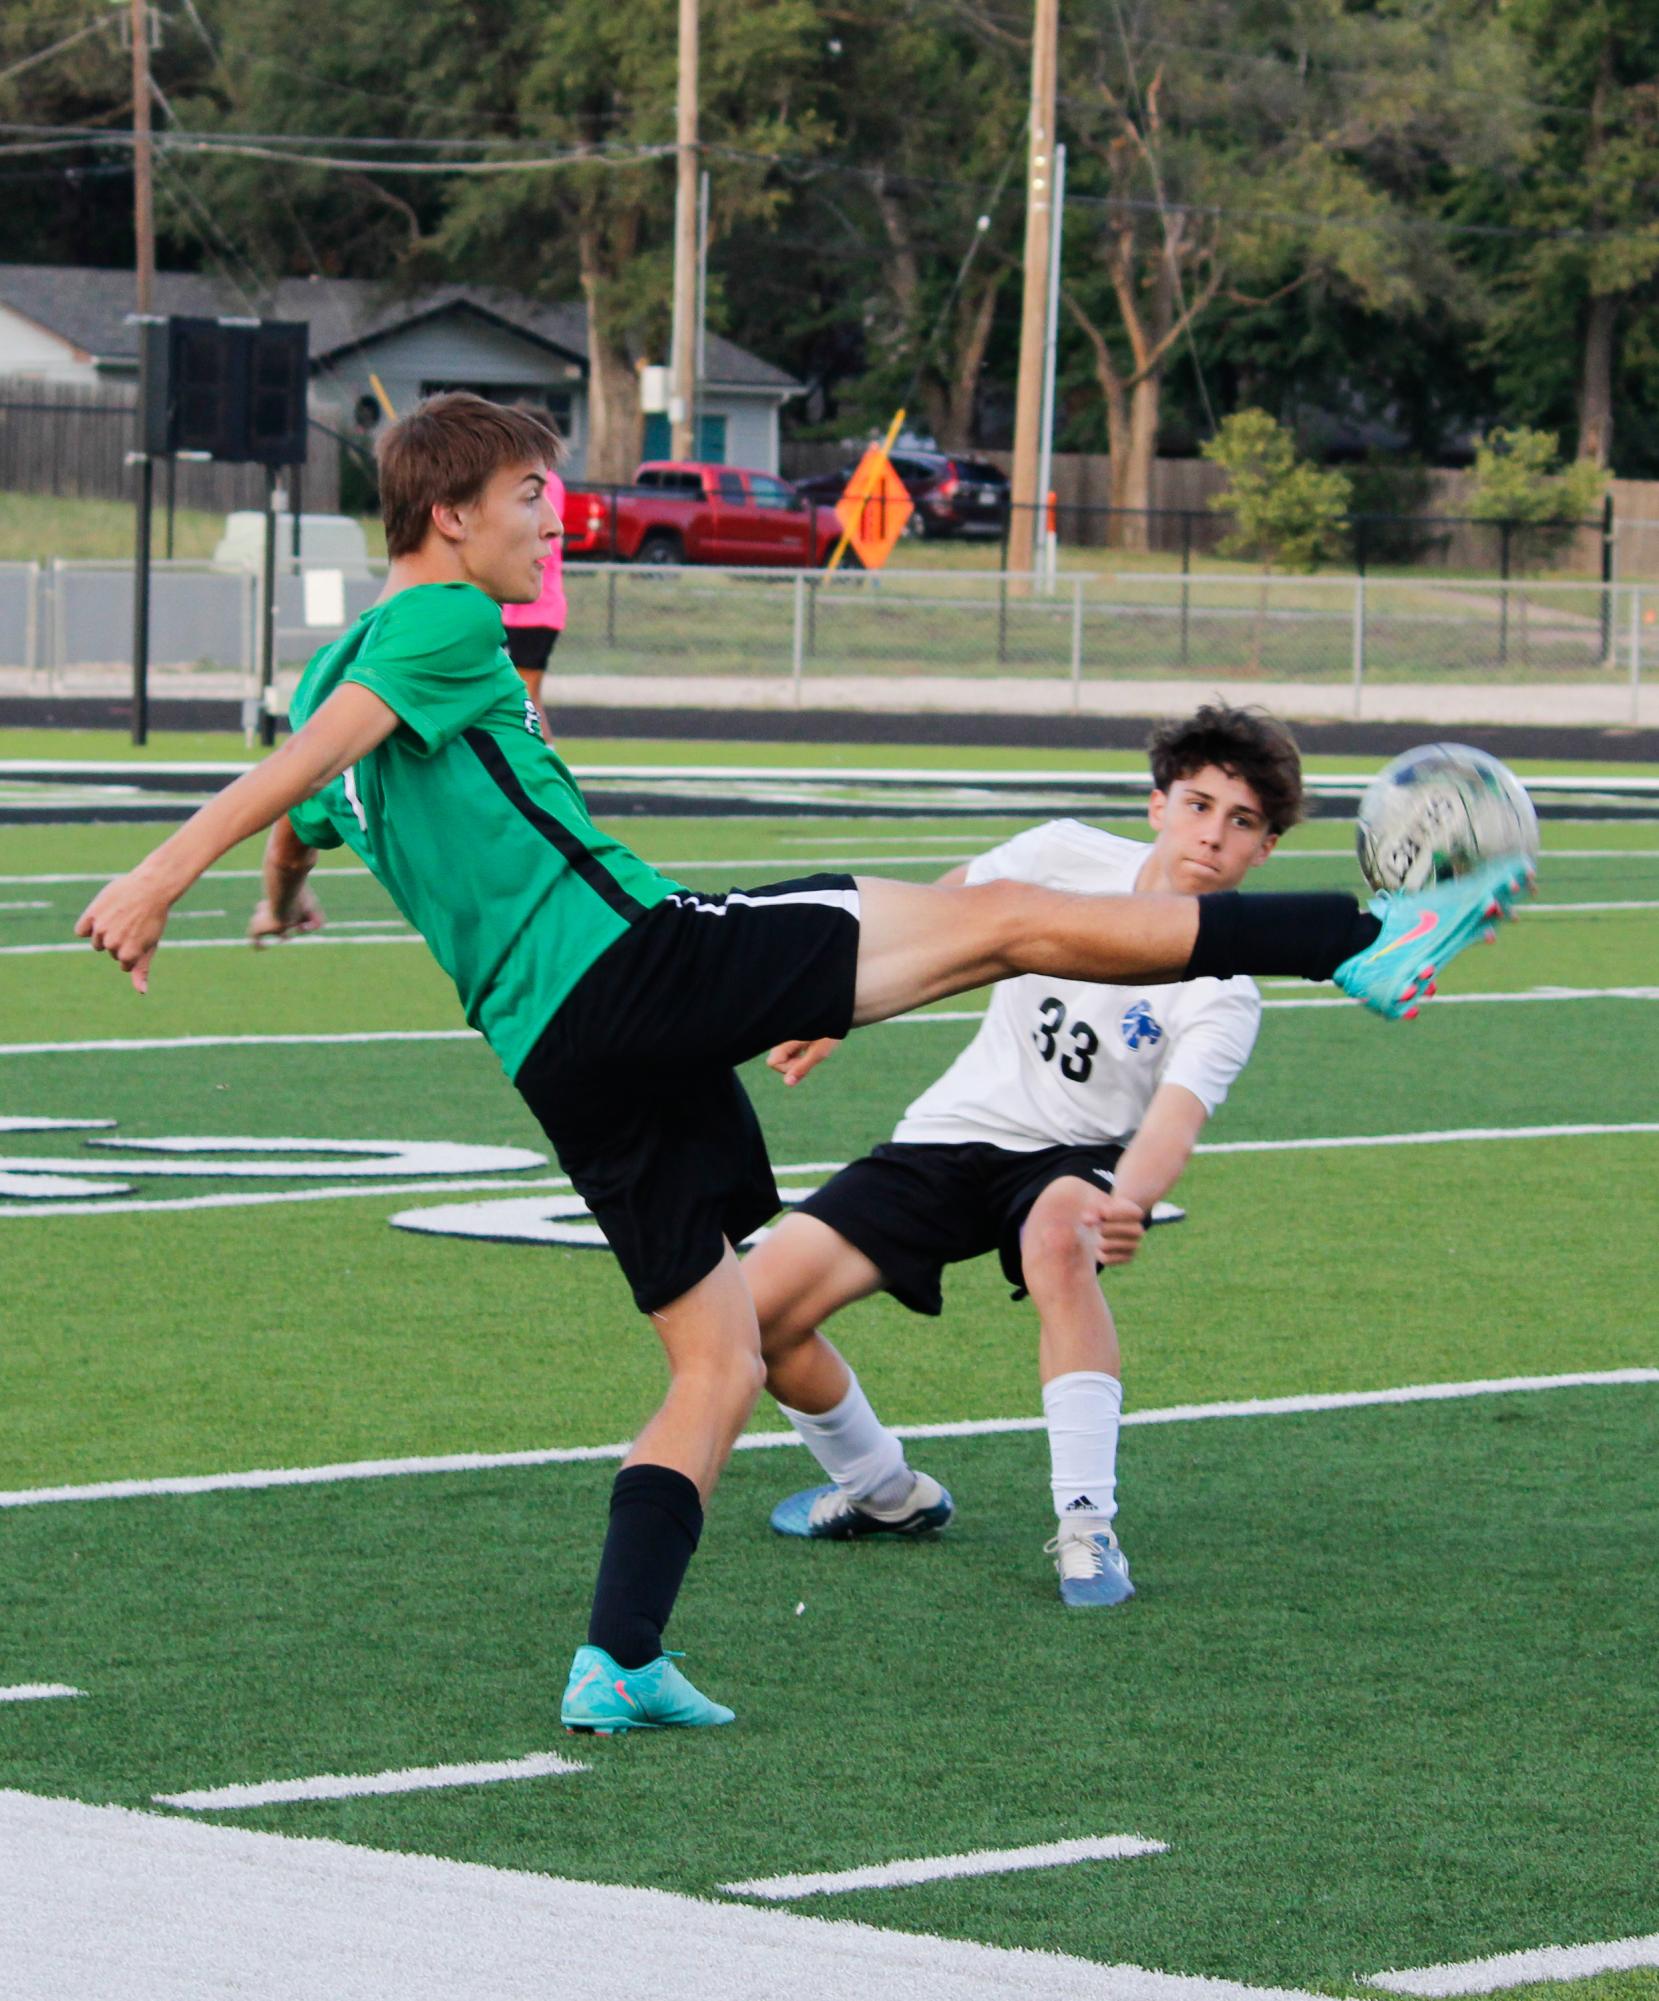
[(469, 820)]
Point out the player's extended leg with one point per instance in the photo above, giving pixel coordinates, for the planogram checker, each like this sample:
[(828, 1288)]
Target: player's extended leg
[(1078, 1361), (622, 1679), (918, 943), (804, 1272)]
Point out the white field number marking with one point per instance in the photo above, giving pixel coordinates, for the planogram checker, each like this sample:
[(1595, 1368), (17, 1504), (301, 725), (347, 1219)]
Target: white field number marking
[(1520, 1969), (38, 1691), (338, 1786), (940, 1868)]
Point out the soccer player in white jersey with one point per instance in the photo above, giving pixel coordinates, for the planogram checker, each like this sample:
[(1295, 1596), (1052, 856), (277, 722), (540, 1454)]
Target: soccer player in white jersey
[(1073, 1110)]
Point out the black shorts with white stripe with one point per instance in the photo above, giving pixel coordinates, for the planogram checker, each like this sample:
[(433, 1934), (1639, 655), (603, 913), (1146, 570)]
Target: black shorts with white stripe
[(913, 1209), (634, 1079)]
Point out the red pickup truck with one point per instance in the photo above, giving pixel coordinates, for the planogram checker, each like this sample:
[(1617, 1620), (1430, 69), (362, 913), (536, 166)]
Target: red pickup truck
[(677, 512)]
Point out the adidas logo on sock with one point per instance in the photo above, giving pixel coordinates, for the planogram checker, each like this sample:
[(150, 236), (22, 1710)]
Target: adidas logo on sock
[(1081, 1506)]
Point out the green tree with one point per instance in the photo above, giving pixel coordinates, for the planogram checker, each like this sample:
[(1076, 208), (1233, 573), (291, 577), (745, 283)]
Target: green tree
[(1229, 157), (1582, 277), (1286, 511), (1519, 477)]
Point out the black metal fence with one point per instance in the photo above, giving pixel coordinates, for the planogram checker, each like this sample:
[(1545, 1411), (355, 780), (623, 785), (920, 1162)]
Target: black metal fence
[(1370, 541)]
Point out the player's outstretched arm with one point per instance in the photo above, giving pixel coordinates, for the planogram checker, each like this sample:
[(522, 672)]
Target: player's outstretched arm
[(793, 1060), (1154, 1159), (127, 917)]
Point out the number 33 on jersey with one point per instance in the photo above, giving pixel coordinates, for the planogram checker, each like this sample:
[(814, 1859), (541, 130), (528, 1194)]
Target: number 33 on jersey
[(1071, 1061)]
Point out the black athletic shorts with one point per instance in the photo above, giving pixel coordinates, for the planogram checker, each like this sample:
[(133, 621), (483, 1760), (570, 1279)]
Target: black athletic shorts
[(634, 1078), (530, 647), (912, 1210)]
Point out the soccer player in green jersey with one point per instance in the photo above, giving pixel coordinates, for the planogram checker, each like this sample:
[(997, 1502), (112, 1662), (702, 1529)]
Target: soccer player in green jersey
[(618, 1001)]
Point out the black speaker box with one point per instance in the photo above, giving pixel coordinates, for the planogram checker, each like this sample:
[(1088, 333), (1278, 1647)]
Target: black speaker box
[(232, 389)]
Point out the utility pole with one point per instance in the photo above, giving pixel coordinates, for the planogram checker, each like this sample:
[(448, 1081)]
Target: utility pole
[(1039, 218), (144, 221), (144, 268), (682, 392)]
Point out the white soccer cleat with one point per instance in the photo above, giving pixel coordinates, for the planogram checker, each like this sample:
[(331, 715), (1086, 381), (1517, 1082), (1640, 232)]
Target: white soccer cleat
[(830, 1514), (1093, 1570)]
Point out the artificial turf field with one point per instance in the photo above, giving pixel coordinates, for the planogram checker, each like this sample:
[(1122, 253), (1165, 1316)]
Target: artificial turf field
[(1386, 1692)]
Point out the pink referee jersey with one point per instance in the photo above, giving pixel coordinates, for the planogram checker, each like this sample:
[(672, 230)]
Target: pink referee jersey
[(549, 608)]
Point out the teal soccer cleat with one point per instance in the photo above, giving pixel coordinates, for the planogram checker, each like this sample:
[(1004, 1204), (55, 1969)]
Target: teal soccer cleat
[(828, 1514), (1423, 931), (1093, 1570), (603, 1699)]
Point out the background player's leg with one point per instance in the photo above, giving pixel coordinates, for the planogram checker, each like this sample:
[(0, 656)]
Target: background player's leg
[(798, 1277), (804, 1272), (1079, 1363)]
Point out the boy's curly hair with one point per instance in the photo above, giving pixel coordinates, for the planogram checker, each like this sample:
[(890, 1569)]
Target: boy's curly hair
[(1247, 744)]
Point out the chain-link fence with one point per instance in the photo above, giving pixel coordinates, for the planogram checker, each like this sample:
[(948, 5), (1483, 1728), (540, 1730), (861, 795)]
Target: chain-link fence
[(801, 637)]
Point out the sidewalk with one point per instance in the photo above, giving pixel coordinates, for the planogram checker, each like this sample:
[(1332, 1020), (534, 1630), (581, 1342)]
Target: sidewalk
[(1599, 704)]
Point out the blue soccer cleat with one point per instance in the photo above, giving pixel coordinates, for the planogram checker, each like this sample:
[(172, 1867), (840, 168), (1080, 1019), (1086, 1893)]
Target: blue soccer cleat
[(603, 1699), (1093, 1570), (1424, 930), (830, 1514)]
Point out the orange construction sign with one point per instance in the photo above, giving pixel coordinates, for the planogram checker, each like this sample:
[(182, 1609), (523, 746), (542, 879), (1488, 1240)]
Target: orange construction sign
[(874, 508)]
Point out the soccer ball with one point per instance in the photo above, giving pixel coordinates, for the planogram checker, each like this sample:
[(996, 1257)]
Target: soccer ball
[(1440, 811)]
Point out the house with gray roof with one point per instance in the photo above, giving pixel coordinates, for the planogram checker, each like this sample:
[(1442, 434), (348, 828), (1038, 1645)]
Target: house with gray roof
[(69, 324)]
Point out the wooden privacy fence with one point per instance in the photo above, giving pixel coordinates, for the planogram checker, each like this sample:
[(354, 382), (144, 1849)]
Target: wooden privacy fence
[(72, 440)]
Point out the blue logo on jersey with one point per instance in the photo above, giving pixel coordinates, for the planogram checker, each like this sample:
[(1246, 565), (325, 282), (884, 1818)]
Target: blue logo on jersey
[(1140, 1025)]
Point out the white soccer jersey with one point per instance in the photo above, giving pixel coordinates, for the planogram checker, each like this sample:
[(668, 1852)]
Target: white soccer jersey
[(1071, 1062)]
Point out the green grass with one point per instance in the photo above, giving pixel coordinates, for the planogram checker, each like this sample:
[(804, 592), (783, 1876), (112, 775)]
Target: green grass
[(1303, 1704), (1383, 1689), (169, 746), (36, 527)]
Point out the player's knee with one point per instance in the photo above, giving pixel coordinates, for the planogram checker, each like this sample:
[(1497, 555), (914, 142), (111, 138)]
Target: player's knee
[(1053, 1246), (784, 1333)]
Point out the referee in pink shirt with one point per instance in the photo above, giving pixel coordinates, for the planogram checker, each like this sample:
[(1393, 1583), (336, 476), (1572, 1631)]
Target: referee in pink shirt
[(533, 629)]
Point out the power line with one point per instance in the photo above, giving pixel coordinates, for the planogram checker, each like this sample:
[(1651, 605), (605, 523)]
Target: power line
[(41, 55), (284, 148)]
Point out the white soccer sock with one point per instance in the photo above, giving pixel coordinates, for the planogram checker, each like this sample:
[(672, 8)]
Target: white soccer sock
[(1083, 1410), (856, 1449)]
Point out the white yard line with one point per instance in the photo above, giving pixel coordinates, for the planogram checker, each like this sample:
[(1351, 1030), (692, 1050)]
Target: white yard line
[(1518, 1969), (1577, 909), (1454, 1135), (103, 1903), (322, 874), (38, 1691), (921, 1019), (122, 1044), (364, 1785), (942, 1868), (761, 1441), (263, 1199)]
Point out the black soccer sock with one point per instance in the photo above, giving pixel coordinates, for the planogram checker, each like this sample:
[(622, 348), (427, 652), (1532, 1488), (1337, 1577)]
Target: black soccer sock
[(1309, 936), (656, 1519)]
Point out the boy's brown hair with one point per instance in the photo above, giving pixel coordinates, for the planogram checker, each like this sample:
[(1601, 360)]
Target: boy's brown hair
[(444, 453), (1248, 744)]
